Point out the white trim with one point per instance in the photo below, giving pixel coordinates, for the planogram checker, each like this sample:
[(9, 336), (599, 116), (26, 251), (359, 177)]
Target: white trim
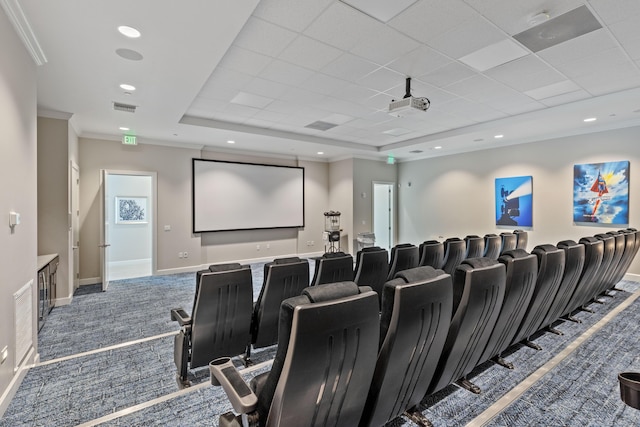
[(12, 389), (632, 277), (89, 281), (23, 29), (62, 301), (54, 114)]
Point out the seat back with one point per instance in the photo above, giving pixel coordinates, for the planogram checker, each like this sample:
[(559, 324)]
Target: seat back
[(478, 291), (522, 238), (509, 241), (607, 264), (333, 267), (403, 257), (283, 278), (474, 246), (325, 358), (620, 244), (521, 273), (416, 312), (593, 254), (492, 245), (551, 263), (454, 253), (630, 250), (573, 265), (222, 292), (372, 266), (431, 254)]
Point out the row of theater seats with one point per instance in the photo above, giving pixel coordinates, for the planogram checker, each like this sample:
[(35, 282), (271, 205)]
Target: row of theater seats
[(203, 337), (431, 330)]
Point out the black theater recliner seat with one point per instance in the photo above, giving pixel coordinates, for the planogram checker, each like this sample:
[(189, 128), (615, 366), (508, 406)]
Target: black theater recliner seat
[(283, 278), (323, 367), (521, 274), (416, 312), (474, 246), (372, 266), (333, 267), (220, 320), (455, 250), (492, 245), (478, 292), (593, 254), (403, 257), (551, 262), (431, 254)]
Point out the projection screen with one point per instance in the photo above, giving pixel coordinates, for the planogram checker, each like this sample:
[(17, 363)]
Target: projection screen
[(246, 196)]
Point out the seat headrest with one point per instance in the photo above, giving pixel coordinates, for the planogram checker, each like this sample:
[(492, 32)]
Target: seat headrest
[(589, 239), (566, 243), (289, 260), (371, 249), (331, 291), (404, 245), (603, 236), (506, 233), (419, 274), (453, 239), (490, 235), (333, 255), (472, 236), (516, 253), (431, 242), (225, 267), (479, 262), (545, 248)]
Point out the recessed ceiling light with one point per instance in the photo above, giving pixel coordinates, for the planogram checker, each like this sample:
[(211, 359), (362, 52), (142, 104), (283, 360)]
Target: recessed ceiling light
[(590, 119), (129, 32), (127, 87), (231, 142), (124, 128), (499, 136), (320, 152), (437, 147)]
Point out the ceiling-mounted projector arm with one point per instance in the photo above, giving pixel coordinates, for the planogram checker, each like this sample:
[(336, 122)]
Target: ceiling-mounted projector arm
[(407, 88)]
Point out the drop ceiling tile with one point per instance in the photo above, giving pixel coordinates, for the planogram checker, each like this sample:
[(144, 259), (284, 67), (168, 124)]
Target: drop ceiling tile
[(566, 98), (245, 61), (264, 37), (379, 102), (251, 100), (386, 46), (470, 36), (205, 107), (286, 73), (289, 14), (626, 32), (471, 111), (598, 64), (616, 11), (614, 78), (224, 84), (338, 119), (343, 107), (267, 88), (356, 93), (526, 73), (350, 67), (427, 19), (382, 80), (418, 62), (325, 84), (342, 26), (448, 74), (310, 53), (494, 55), (555, 89), (435, 95), (580, 47), (241, 111), (301, 96), (290, 108)]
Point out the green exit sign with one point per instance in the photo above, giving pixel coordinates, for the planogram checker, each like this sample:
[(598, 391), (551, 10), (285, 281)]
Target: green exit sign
[(129, 140)]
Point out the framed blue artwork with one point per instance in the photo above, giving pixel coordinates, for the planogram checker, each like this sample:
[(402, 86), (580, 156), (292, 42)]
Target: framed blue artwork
[(601, 193), (131, 210), (514, 196)]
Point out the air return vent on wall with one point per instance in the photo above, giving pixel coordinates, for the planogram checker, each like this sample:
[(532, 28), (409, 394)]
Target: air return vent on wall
[(118, 106)]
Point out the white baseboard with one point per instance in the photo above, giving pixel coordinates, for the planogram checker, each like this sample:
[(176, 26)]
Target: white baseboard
[(12, 389), (632, 277), (63, 301), (89, 281)]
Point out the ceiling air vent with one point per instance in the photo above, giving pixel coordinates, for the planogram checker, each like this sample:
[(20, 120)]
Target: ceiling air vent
[(118, 106), (320, 125)]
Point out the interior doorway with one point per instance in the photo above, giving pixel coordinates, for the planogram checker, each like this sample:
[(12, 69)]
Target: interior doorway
[(129, 225), (74, 226), (383, 214)]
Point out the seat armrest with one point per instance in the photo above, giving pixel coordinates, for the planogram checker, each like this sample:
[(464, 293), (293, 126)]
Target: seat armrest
[(240, 395), (180, 316)]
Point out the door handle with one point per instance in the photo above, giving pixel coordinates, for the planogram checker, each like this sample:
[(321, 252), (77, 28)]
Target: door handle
[(104, 245)]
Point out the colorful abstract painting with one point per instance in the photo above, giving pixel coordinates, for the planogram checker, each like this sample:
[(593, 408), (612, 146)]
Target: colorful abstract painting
[(514, 198), (601, 193)]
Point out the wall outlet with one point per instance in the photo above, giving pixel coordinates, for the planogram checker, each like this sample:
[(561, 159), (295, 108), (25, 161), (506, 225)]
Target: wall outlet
[(186, 255), (257, 247), (4, 354), (180, 254), (313, 243)]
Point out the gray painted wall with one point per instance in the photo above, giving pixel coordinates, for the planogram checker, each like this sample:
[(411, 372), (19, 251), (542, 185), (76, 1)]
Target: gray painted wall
[(18, 164)]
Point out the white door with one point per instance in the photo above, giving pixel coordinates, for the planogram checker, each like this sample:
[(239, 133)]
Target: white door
[(383, 214), (74, 213), (104, 230)]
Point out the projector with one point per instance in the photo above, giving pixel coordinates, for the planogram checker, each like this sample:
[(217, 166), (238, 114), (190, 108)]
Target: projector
[(408, 106)]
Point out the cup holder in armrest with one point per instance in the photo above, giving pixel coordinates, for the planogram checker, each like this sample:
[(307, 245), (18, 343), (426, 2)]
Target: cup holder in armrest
[(630, 388)]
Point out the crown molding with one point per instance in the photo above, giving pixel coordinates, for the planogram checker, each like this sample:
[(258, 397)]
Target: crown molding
[(19, 21)]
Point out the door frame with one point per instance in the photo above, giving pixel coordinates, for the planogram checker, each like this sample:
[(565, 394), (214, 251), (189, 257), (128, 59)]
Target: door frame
[(104, 245), (392, 219), (74, 221)]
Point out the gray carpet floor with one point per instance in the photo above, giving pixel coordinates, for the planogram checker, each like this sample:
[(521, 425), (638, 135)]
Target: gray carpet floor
[(583, 390)]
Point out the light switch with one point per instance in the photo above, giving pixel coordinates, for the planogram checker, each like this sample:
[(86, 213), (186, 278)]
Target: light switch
[(167, 228), (14, 219)]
